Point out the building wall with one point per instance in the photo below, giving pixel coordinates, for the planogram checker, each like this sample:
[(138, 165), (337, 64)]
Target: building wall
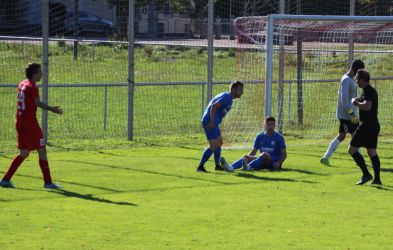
[(165, 23)]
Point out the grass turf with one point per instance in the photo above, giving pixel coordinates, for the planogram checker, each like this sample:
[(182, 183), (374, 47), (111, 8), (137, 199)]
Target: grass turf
[(144, 197)]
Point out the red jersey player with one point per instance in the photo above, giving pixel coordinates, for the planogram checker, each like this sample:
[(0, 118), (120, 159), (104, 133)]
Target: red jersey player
[(29, 133)]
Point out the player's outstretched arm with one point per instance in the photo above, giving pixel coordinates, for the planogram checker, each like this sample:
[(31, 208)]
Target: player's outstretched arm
[(54, 109)]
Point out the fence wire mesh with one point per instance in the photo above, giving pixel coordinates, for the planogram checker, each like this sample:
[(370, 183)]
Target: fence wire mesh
[(88, 63)]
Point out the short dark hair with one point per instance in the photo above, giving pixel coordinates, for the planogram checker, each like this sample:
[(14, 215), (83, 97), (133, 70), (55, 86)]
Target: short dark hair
[(356, 65), (270, 119), (31, 69), (363, 75), (236, 84)]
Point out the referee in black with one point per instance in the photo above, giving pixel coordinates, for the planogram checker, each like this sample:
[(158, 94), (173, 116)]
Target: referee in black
[(366, 135)]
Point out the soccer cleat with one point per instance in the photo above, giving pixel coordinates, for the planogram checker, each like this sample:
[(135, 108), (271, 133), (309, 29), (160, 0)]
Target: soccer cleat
[(376, 182), (202, 169), (219, 168), (245, 167), (364, 179), (51, 186), (225, 165), (6, 184), (325, 161)]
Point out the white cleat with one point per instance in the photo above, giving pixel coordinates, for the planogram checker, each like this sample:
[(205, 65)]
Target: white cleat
[(52, 186), (225, 165), (6, 184)]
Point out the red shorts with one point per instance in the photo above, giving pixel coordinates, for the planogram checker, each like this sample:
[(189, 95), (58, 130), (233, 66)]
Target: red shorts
[(30, 138)]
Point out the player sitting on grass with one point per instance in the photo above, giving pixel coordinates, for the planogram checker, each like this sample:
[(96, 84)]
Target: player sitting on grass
[(272, 151), (217, 109), (29, 133)]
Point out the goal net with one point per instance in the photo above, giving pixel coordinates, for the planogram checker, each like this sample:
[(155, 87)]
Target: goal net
[(296, 77)]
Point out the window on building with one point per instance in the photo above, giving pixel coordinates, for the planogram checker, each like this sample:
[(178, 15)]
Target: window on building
[(167, 9)]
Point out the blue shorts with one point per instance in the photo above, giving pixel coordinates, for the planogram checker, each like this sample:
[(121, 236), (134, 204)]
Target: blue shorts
[(212, 134), (268, 165)]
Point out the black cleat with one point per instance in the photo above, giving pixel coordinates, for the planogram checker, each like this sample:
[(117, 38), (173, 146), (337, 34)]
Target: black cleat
[(364, 179), (376, 182), (219, 168), (202, 169)]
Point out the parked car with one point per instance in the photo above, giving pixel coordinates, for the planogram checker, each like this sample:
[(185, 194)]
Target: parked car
[(88, 24), (24, 19)]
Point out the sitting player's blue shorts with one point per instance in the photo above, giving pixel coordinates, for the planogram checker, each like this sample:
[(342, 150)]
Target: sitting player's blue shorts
[(213, 133), (268, 165)]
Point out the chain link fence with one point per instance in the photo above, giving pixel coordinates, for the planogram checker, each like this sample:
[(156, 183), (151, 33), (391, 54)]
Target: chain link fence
[(153, 84)]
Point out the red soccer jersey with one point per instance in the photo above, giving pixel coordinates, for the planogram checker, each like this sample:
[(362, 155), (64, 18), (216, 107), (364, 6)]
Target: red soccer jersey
[(26, 108)]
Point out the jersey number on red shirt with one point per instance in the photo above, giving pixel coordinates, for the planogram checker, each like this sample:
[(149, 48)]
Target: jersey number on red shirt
[(21, 100)]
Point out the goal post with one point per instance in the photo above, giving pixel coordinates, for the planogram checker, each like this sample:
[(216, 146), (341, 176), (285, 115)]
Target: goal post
[(271, 19)]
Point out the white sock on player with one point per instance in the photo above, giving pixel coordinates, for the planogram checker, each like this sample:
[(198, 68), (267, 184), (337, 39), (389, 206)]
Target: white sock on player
[(332, 147)]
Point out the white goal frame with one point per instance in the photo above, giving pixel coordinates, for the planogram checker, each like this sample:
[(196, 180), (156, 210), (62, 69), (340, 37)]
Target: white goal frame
[(269, 44)]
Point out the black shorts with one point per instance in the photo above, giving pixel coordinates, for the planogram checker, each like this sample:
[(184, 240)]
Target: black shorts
[(366, 135), (346, 126)]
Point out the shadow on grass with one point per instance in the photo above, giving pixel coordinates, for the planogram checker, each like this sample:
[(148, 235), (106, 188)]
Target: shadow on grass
[(68, 182), (385, 188), (144, 171), (184, 158), (4, 156), (301, 171), (264, 178), (387, 170), (90, 197)]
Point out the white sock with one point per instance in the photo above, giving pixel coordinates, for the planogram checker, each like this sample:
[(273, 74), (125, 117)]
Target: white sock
[(332, 147), (360, 152)]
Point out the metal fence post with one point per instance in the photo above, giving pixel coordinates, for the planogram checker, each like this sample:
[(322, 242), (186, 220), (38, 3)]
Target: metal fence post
[(45, 75), (210, 43), (131, 83), (351, 46), (269, 66), (76, 28), (203, 99), (281, 67), (105, 104)]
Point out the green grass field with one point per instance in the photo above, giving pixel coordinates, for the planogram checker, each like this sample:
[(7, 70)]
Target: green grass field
[(150, 197), (146, 194)]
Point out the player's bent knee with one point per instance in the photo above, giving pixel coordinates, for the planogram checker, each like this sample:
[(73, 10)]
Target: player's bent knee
[(42, 153), (371, 152), (341, 137), (213, 146), (220, 141), (24, 154), (352, 150), (266, 156)]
